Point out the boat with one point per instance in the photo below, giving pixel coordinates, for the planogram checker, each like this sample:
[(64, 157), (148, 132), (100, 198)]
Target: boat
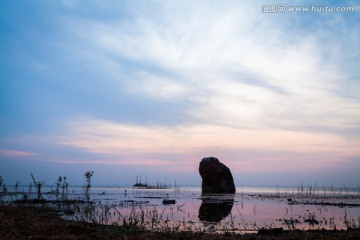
[(139, 185), (146, 185)]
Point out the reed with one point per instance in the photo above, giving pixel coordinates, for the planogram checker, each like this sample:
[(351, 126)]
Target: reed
[(88, 175)]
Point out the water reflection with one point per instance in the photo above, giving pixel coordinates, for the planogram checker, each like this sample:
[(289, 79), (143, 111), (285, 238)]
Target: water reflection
[(215, 208)]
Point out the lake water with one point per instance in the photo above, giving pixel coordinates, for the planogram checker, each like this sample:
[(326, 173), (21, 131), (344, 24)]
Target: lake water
[(248, 210)]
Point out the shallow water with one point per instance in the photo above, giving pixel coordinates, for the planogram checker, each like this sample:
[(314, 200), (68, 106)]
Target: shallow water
[(248, 210)]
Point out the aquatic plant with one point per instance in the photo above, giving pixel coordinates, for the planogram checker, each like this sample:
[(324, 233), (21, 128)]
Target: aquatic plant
[(311, 219), (57, 188), (2, 185), (64, 188), (30, 189), (88, 176), (17, 186)]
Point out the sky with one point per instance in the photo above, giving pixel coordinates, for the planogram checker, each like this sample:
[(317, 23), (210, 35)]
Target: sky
[(124, 88)]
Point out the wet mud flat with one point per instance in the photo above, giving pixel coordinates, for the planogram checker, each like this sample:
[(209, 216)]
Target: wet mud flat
[(29, 222)]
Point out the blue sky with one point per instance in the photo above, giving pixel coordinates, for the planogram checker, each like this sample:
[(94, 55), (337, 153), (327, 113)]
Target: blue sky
[(151, 87)]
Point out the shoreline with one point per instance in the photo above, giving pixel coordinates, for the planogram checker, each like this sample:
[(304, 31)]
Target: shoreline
[(24, 222)]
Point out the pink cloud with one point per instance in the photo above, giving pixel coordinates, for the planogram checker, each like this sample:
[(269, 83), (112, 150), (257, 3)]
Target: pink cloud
[(148, 162), (13, 153), (180, 148)]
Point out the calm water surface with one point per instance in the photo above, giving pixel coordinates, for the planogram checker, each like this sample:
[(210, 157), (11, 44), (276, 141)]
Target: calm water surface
[(248, 209)]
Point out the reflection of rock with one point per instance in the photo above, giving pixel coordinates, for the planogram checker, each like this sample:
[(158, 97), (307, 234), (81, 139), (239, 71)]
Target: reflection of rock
[(214, 210), (216, 177)]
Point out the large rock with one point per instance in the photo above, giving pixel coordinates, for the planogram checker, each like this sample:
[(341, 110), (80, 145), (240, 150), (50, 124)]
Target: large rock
[(216, 177)]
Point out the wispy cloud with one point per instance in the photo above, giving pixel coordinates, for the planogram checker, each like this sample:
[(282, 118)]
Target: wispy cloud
[(15, 153), (212, 59), (146, 162), (131, 144), (248, 81)]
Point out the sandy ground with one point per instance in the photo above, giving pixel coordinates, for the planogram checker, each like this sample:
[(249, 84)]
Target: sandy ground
[(20, 222)]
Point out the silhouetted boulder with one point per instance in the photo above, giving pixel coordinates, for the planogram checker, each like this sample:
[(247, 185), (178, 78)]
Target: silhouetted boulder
[(216, 177)]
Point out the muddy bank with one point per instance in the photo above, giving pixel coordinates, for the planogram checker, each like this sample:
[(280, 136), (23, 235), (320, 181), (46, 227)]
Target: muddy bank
[(22, 222)]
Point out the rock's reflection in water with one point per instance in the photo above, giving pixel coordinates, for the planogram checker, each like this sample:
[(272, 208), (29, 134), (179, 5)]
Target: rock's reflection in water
[(215, 208)]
